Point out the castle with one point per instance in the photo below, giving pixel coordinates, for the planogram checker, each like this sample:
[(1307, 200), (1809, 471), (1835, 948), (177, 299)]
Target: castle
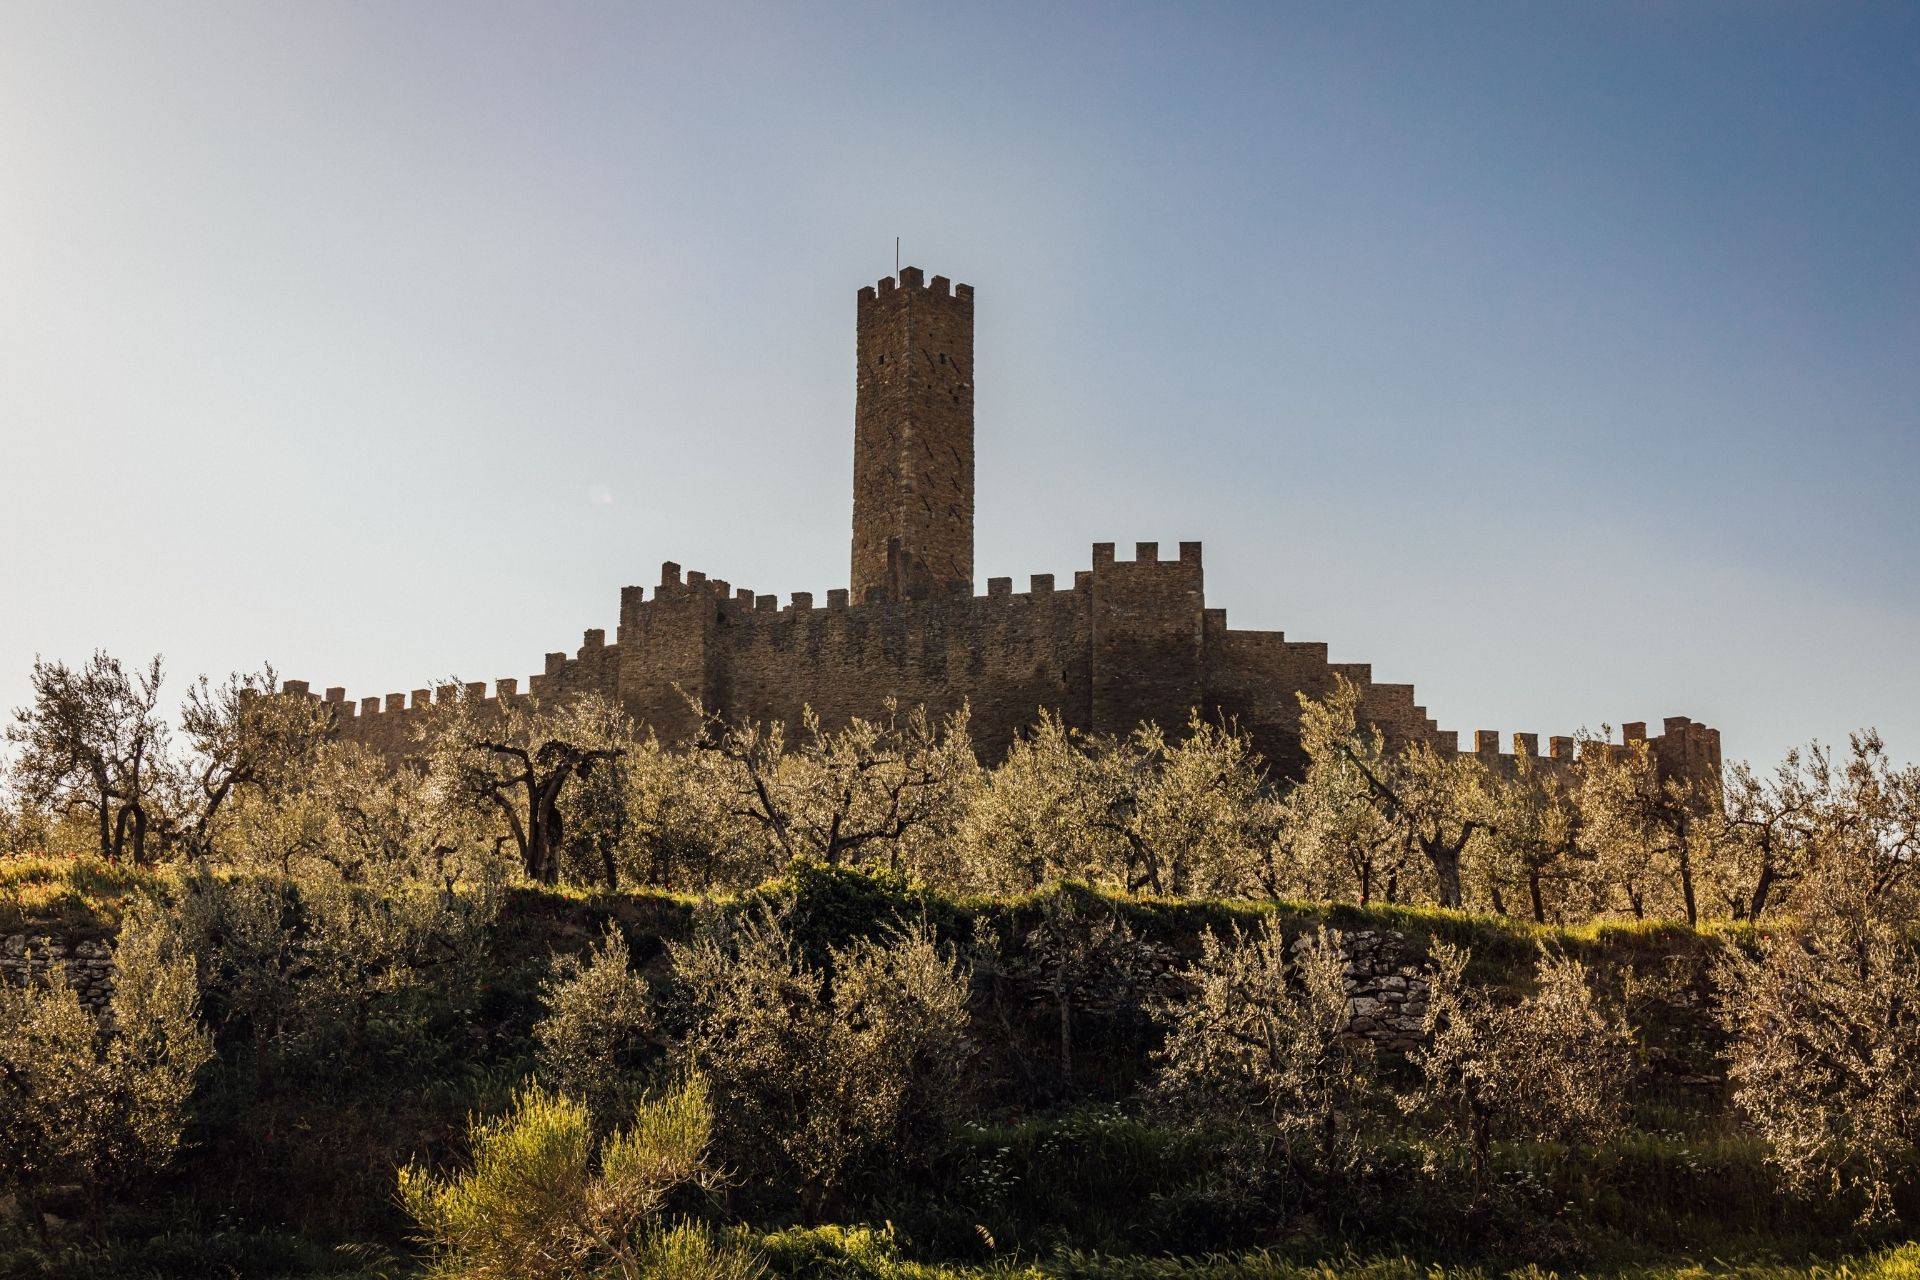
[(1128, 640)]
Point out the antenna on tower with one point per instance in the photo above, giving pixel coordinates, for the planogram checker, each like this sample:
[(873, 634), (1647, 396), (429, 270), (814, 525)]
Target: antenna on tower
[(896, 255)]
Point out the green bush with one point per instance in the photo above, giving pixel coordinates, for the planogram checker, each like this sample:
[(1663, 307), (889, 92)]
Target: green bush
[(825, 1073), (596, 1038), (330, 987), (94, 1104), (545, 1200)]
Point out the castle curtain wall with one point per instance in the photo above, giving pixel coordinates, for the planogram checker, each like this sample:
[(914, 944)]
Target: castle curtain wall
[(1129, 641)]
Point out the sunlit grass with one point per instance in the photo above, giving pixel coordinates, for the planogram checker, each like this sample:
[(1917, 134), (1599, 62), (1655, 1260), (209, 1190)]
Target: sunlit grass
[(81, 893), (864, 1253), (73, 894), (869, 1253)]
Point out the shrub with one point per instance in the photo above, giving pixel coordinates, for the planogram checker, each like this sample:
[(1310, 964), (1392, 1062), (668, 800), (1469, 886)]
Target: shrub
[(544, 1201), (92, 1102), (595, 1038), (823, 1073), (1554, 1066), (1261, 1038), (1079, 951), (690, 1251), (1824, 1055), (330, 983)]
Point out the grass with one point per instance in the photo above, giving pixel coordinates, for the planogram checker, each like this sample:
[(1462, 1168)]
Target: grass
[(180, 1254), (868, 1253), (85, 894), (77, 896), (1098, 1179), (863, 1253)]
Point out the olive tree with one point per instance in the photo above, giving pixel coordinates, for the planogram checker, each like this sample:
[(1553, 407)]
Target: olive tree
[(243, 740), (1040, 817), (596, 1039), (520, 761), (1823, 1026), (1648, 833), (1531, 848), (1180, 814), (1767, 840), (1081, 948), (1433, 802), (1337, 841), (93, 1102), (93, 740), (824, 1072), (1554, 1065), (1261, 1036), (1198, 819), (323, 984), (681, 828), (883, 793)]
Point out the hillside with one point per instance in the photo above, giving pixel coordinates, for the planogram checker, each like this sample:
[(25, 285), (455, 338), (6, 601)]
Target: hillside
[(286, 1162)]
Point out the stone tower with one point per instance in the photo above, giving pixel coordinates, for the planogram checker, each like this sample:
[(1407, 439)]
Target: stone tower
[(913, 440)]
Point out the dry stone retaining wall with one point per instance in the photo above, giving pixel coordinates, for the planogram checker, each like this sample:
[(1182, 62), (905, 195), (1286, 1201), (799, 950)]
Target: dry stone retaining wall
[(1386, 982), (1385, 976), (87, 965)]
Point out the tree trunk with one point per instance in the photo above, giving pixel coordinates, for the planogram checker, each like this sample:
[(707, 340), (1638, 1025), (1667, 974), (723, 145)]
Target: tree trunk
[(1686, 886), (1446, 872), (120, 833), (1761, 891), (540, 866)]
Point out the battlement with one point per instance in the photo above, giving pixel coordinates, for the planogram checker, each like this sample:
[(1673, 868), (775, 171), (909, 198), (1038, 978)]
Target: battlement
[(1684, 747), (342, 708), (912, 282), (1145, 553), (385, 721), (440, 695), (744, 606), (753, 619)]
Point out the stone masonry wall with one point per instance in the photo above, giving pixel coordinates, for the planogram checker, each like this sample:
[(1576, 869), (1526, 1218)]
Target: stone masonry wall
[(1386, 979), (1149, 638), (1128, 641), (85, 964)]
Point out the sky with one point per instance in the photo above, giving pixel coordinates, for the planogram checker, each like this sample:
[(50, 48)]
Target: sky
[(1563, 361)]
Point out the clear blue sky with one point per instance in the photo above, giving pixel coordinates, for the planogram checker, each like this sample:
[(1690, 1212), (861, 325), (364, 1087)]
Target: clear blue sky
[(1562, 360)]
